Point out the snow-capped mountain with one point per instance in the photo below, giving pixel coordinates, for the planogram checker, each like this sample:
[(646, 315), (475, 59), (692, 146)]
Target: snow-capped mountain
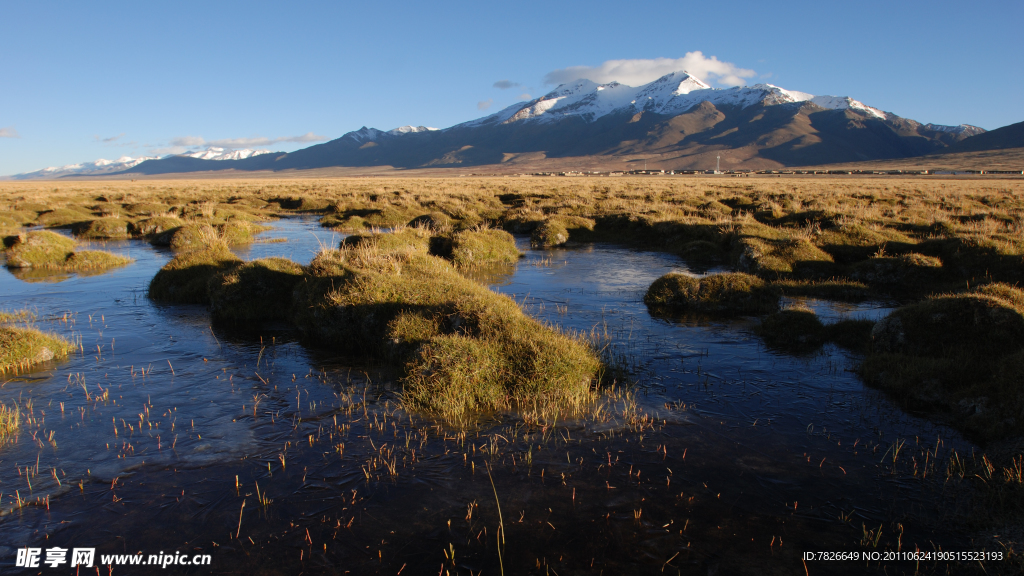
[(215, 153), (965, 129), (101, 166), (410, 130), (365, 134), (676, 121), (671, 95)]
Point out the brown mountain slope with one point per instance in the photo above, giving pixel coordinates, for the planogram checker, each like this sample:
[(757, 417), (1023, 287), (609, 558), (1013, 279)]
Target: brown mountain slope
[(1011, 136), (754, 137)]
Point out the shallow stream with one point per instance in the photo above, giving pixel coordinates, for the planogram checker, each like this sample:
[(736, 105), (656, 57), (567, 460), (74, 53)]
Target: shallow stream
[(166, 433)]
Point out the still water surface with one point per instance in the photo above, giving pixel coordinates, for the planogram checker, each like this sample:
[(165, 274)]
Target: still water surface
[(166, 433)]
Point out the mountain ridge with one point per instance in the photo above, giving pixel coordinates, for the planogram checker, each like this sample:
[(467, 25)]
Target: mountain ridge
[(676, 120)]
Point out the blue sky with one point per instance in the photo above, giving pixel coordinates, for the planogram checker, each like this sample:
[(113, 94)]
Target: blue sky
[(82, 81)]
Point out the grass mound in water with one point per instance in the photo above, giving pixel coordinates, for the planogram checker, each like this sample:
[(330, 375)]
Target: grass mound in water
[(702, 251), (21, 348), (793, 330), (405, 240), (903, 272), (779, 257), (549, 234), (193, 236), (239, 232), (257, 290), (104, 229), (40, 249), (835, 289), (64, 217), (50, 251), (731, 293), (487, 246), (156, 226), (186, 278), (464, 347), (955, 354), (437, 221)]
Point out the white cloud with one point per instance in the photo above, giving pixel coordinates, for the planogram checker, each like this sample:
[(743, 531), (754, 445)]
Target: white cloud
[(188, 141), (525, 96), (506, 84), (235, 143), (108, 140), (9, 132), (642, 71), (484, 104)]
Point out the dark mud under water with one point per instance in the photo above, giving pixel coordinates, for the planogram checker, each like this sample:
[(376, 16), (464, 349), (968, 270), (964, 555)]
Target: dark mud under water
[(167, 434)]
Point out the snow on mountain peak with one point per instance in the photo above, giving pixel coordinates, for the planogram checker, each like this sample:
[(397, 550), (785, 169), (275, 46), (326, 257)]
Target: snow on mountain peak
[(217, 153), (844, 102), (409, 129), (101, 166), (672, 94), (959, 129)]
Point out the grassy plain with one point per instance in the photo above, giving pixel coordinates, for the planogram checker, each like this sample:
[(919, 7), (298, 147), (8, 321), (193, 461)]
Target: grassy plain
[(923, 241)]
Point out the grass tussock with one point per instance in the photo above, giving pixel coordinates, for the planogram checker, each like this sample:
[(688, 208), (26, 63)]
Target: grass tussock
[(186, 279), (910, 269), (730, 293), (437, 221), (240, 232), (464, 347), (156, 227), (549, 234), (16, 316), (193, 236), (840, 290), (798, 330), (40, 249), (65, 217), (109, 228), (702, 252), (483, 246), (958, 355), (22, 348), (402, 240), (45, 250), (257, 290)]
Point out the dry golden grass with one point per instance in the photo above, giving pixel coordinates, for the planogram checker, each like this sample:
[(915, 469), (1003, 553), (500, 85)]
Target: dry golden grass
[(832, 237), (920, 234)]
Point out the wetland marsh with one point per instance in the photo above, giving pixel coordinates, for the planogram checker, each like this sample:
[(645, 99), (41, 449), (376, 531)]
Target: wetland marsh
[(702, 446)]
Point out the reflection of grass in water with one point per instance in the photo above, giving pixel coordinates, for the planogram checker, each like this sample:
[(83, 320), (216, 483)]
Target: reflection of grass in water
[(44, 275)]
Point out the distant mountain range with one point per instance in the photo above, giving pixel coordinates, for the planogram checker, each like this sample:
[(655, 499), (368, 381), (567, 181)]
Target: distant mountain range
[(101, 167), (674, 122)]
